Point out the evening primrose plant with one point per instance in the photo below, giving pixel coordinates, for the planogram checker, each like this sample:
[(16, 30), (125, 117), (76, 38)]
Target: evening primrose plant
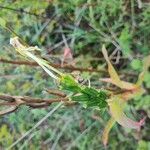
[(89, 96)]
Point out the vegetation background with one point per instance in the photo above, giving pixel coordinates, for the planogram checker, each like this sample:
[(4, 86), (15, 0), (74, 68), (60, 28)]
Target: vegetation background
[(83, 25)]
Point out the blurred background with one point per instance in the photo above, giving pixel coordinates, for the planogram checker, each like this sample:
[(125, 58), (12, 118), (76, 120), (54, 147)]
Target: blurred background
[(71, 34)]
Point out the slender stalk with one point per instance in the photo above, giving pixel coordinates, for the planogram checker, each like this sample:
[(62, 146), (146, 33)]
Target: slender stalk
[(72, 68)]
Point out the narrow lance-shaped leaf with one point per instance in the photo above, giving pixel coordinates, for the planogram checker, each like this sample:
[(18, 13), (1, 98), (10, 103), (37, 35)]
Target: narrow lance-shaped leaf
[(114, 77), (125, 85), (26, 52), (116, 109), (42, 64), (113, 74), (107, 129)]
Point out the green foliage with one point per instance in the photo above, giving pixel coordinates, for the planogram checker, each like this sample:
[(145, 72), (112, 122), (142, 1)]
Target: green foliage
[(90, 97), (143, 145), (125, 40), (5, 135), (68, 83), (111, 21)]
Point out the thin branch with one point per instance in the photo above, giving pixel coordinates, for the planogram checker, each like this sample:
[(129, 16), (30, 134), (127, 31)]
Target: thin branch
[(13, 102), (28, 99), (8, 111), (55, 92), (72, 68)]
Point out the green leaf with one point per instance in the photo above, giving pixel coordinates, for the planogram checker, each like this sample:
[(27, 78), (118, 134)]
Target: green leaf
[(80, 98), (89, 91), (143, 145), (91, 98), (68, 83), (136, 64)]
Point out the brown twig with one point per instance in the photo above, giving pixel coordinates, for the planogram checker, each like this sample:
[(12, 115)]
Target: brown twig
[(72, 68), (13, 102), (29, 100), (55, 92), (8, 111)]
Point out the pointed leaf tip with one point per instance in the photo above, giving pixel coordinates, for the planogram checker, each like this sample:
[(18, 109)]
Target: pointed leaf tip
[(112, 72), (104, 51), (106, 131)]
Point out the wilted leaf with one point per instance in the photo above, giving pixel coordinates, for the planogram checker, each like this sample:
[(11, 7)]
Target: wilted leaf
[(107, 129), (116, 106)]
